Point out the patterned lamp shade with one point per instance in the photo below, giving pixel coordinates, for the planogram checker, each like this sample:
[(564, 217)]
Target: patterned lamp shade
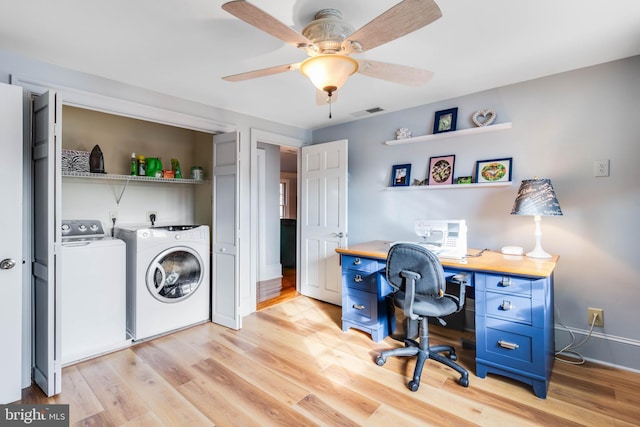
[(536, 197)]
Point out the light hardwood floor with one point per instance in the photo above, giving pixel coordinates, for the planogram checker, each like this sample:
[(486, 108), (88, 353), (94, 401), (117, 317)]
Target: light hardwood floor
[(292, 365)]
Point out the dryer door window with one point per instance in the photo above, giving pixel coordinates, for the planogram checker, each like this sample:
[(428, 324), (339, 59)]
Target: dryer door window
[(175, 274)]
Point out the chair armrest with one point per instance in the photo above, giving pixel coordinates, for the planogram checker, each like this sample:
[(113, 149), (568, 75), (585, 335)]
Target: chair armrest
[(409, 292), (460, 279)]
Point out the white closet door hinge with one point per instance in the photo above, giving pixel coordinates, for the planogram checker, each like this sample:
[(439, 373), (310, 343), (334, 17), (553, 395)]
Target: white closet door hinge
[(55, 129)]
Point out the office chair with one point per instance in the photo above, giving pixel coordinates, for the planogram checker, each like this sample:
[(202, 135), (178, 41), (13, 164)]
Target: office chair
[(418, 279)]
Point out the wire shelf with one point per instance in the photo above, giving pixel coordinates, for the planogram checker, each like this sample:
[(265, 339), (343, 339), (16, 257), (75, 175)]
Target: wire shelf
[(115, 177)]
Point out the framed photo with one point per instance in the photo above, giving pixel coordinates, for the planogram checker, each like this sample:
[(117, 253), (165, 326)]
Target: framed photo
[(495, 170), (400, 175), (441, 170), (464, 180), (445, 120)]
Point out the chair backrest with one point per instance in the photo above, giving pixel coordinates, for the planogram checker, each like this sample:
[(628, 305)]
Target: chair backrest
[(415, 258)]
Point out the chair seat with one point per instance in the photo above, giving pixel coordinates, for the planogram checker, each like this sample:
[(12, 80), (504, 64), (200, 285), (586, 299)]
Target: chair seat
[(426, 306)]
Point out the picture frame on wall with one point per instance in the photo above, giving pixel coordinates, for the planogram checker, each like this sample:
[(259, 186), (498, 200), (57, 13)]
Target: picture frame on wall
[(400, 175), (445, 120), (441, 170), (494, 170)]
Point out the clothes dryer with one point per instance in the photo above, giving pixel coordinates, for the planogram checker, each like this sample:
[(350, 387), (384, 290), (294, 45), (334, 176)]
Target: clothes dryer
[(168, 278)]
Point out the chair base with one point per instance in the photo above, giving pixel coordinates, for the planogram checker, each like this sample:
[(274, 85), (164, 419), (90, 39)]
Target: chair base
[(423, 351)]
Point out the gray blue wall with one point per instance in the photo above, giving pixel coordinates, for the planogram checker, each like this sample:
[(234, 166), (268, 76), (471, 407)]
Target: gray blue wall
[(561, 124)]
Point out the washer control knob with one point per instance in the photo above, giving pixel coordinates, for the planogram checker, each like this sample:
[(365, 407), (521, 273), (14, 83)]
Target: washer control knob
[(82, 227)]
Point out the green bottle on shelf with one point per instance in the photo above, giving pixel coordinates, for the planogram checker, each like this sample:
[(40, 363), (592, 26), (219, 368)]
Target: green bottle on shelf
[(177, 172), (134, 164)]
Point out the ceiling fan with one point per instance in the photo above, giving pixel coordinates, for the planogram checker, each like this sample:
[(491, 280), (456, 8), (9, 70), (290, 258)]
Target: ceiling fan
[(329, 42)]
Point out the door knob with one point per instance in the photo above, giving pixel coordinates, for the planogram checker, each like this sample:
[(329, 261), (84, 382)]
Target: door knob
[(340, 234), (7, 264)]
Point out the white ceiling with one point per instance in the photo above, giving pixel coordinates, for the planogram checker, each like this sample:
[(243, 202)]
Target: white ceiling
[(184, 47)]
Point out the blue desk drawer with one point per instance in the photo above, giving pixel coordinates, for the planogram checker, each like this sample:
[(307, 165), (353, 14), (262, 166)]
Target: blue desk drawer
[(509, 307), (509, 284), (361, 264), (511, 345), (360, 280), (359, 306)]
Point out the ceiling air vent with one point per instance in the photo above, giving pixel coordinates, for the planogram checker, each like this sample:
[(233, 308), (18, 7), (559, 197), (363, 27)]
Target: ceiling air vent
[(367, 112)]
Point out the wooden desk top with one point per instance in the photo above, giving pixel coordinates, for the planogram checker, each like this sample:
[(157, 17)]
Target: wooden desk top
[(489, 261)]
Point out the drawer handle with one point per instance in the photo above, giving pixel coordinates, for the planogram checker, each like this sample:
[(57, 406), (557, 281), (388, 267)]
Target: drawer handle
[(358, 278), (508, 345), (505, 282), (358, 306), (357, 261), (506, 305)]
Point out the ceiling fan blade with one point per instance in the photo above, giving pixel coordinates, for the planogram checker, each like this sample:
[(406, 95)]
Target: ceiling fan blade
[(261, 73), (265, 22), (402, 74), (403, 18), (322, 97)]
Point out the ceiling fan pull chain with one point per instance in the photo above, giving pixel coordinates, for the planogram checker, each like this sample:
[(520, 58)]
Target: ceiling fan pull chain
[(330, 92)]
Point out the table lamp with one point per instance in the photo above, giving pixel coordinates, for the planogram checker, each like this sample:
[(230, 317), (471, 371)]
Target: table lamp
[(536, 197)]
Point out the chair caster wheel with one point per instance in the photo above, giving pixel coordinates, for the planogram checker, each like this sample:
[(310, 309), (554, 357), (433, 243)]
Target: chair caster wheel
[(380, 360), (464, 381), (413, 386)]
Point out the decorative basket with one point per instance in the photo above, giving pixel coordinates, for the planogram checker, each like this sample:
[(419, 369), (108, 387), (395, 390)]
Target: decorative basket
[(75, 161)]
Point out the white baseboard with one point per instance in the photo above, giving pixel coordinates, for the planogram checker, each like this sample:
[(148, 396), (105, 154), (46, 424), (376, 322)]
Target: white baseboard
[(609, 350)]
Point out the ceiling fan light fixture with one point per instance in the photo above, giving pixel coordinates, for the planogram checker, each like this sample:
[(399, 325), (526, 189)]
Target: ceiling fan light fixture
[(329, 72)]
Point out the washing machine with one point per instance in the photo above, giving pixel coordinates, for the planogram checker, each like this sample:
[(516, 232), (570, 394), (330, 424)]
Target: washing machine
[(168, 278), (93, 291)]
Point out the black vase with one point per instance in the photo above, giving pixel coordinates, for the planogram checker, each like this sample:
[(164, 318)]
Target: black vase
[(96, 160)]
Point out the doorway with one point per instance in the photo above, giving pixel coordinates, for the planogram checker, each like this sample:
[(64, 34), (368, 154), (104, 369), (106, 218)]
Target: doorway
[(277, 224)]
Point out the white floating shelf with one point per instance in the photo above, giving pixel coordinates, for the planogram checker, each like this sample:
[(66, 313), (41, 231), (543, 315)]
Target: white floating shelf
[(449, 187), (115, 177), (452, 134)]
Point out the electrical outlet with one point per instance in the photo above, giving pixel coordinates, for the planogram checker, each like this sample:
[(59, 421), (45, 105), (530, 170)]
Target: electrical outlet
[(596, 312), (113, 216), (601, 168)]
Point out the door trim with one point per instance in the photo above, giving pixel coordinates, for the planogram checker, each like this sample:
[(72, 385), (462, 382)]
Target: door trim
[(121, 107)]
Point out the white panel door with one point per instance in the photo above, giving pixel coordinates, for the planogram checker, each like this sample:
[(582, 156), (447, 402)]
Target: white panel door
[(11, 243), (47, 237), (323, 228), (225, 291)]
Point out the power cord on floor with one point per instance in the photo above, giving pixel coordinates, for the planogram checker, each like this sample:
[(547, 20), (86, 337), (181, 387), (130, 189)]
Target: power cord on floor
[(569, 349)]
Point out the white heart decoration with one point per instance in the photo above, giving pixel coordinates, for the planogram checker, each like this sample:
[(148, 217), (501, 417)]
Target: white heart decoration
[(483, 117)]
